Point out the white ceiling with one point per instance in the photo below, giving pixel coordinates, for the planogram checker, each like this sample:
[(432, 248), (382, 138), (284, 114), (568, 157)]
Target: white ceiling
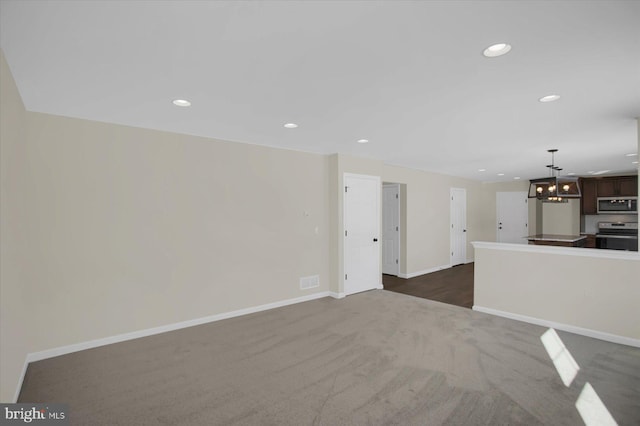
[(407, 75)]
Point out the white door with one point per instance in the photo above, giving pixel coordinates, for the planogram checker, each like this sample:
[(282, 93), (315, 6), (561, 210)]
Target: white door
[(512, 213), (458, 226), (361, 233), (391, 229)]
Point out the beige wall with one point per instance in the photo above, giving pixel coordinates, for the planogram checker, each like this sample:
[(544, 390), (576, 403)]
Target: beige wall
[(576, 287), (15, 333), (109, 229), (561, 218)]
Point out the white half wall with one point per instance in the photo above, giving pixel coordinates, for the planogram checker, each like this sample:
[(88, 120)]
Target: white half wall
[(588, 289)]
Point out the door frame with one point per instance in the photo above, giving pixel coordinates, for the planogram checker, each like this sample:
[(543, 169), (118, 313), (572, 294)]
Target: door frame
[(399, 231), (378, 180)]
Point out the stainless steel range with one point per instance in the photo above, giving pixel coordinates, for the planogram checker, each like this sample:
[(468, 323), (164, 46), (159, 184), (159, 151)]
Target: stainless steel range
[(617, 236)]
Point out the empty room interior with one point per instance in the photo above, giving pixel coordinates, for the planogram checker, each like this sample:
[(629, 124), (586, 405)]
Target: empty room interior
[(210, 211)]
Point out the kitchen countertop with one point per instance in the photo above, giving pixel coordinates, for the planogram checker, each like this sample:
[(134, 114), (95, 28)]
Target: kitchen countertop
[(557, 237)]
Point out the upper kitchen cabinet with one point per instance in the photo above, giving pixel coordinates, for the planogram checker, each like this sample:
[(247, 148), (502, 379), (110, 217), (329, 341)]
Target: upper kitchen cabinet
[(607, 188), (592, 188), (619, 186), (628, 185)]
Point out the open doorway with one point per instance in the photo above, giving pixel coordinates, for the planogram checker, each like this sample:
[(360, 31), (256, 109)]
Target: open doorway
[(452, 285)]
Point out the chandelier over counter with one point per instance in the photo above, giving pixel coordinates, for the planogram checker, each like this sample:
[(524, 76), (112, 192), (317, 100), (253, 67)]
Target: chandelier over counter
[(554, 188)]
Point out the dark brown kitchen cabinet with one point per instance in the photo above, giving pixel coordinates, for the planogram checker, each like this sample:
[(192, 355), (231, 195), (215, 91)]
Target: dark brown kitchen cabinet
[(589, 204), (591, 241), (628, 185), (618, 186), (607, 188)]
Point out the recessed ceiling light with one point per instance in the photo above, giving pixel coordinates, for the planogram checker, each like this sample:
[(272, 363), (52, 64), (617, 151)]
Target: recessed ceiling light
[(181, 102), (517, 177), (500, 174), (498, 49), (600, 172), (291, 125), (631, 155), (570, 174), (363, 140), (549, 98), (482, 170), (634, 162)]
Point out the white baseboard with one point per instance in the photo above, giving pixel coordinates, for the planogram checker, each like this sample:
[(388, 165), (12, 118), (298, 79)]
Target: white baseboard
[(426, 271), (336, 295), (614, 338), (63, 350)]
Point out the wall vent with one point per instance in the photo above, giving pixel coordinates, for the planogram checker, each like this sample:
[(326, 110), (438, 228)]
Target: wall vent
[(309, 282)]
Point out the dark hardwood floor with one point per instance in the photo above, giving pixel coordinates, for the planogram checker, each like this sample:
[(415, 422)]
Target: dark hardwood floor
[(453, 286)]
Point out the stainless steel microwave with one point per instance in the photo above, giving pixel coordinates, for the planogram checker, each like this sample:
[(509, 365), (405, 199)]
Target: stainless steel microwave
[(617, 205)]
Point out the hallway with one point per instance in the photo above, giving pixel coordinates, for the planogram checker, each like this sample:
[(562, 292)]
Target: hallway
[(453, 286)]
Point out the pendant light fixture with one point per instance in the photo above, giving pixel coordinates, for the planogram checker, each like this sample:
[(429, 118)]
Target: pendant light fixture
[(555, 188)]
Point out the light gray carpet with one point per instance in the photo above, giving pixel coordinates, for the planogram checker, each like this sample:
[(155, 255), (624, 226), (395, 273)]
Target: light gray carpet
[(376, 358)]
